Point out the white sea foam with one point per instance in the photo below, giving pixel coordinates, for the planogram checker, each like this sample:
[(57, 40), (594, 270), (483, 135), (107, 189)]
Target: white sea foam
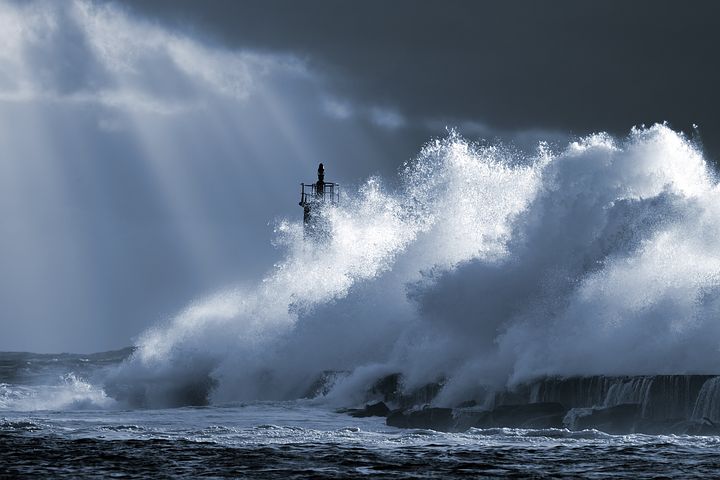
[(70, 392)]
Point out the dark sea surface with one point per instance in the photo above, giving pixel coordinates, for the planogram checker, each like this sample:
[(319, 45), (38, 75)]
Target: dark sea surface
[(58, 424)]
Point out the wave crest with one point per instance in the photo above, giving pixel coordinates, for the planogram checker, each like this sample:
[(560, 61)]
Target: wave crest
[(484, 267)]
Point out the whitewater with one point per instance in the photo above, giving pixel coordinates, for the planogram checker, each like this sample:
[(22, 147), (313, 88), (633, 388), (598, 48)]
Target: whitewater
[(484, 267), (480, 268)]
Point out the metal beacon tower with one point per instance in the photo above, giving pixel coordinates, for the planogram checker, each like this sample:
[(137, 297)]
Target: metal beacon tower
[(313, 197)]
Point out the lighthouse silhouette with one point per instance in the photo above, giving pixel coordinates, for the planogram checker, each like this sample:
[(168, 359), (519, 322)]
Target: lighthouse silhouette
[(313, 197)]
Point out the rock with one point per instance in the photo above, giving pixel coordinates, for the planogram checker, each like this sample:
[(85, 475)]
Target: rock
[(432, 418), (677, 426), (466, 419), (387, 387), (664, 397), (546, 421), (378, 409), (620, 419), (671, 404), (692, 427), (324, 383), (530, 415), (420, 396), (533, 415)]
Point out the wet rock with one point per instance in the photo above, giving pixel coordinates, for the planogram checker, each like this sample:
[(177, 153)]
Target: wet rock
[(546, 421), (420, 396), (530, 415), (324, 383), (387, 387), (378, 409), (663, 396), (670, 404), (688, 427), (467, 418), (620, 419), (432, 418)]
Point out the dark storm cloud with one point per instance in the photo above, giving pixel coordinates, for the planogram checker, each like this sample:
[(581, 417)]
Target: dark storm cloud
[(574, 66)]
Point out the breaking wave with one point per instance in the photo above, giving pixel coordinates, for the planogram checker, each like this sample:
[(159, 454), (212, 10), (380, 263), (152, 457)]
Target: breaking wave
[(485, 267)]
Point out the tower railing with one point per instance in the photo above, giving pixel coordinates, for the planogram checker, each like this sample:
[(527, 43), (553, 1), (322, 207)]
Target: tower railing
[(328, 193)]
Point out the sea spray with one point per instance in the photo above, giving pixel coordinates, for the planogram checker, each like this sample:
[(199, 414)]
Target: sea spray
[(484, 268), (68, 392), (232, 341)]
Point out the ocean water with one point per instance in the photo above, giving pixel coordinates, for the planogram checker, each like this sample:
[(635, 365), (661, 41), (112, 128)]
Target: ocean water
[(55, 423), (292, 439)]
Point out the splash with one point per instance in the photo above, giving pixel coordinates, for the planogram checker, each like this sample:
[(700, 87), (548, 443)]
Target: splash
[(485, 267), (69, 392)]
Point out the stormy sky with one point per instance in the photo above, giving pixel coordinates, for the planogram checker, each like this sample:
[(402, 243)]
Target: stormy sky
[(149, 147), (570, 66)]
